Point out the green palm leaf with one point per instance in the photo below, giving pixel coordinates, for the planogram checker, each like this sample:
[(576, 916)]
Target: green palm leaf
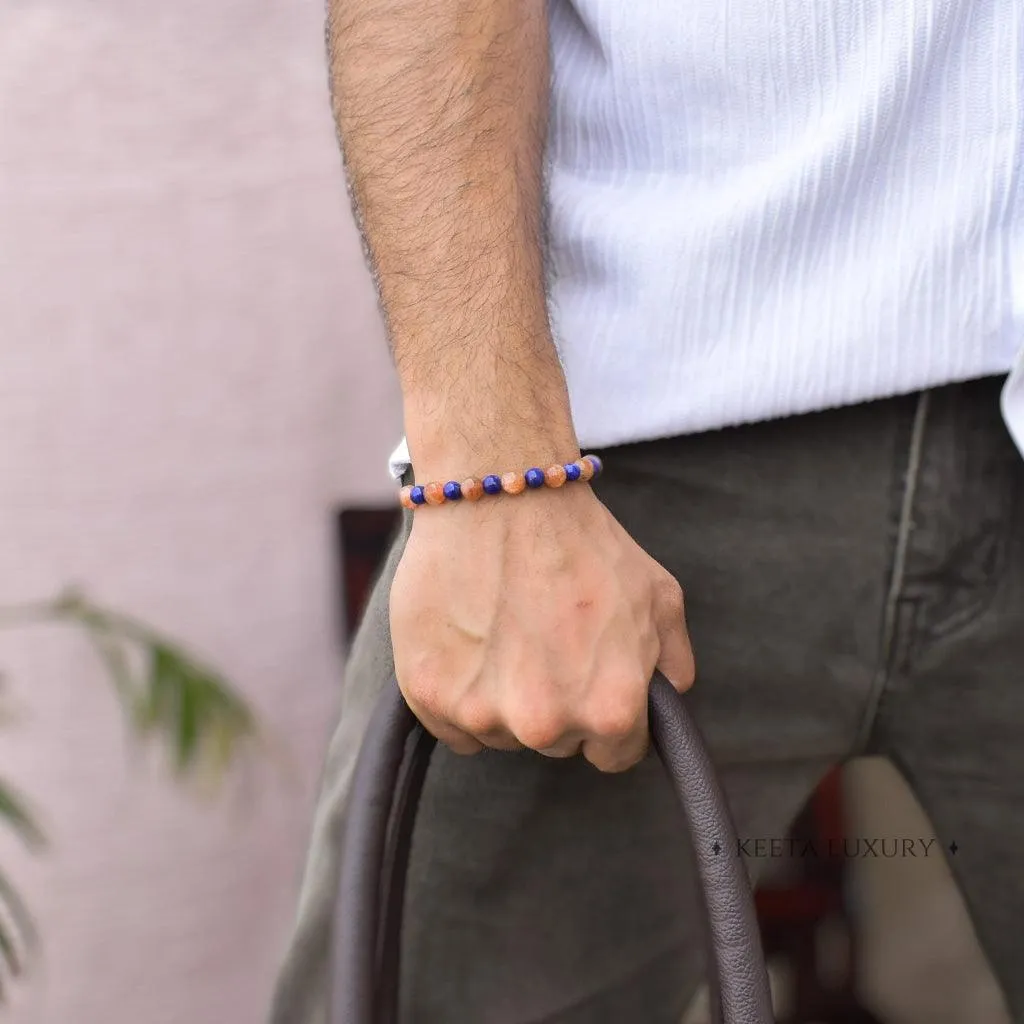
[(15, 814), (167, 695)]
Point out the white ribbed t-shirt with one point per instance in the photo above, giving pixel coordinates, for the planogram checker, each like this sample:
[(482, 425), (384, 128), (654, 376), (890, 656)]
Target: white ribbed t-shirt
[(767, 207)]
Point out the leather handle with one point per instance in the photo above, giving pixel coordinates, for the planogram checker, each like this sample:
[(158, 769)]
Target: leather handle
[(375, 846)]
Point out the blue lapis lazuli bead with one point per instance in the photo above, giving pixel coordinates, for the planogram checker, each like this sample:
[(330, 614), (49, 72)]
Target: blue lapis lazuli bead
[(452, 491), (572, 471), (597, 463), (417, 497), (534, 477), (492, 484)]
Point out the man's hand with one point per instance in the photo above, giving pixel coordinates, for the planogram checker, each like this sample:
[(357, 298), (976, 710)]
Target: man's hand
[(535, 621)]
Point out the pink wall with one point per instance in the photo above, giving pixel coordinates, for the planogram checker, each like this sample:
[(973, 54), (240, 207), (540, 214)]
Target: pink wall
[(192, 375)]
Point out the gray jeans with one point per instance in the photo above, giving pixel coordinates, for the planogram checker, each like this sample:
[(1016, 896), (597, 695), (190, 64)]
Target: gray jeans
[(855, 584)]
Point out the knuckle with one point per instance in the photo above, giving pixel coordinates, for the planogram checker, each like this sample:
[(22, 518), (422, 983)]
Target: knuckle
[(478, 719), (672, 593), (538, 731), (615, 718), (538, 735), (422, 682), (534, 714)]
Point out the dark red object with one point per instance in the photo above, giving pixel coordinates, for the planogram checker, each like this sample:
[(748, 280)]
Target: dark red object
[(364, 537)]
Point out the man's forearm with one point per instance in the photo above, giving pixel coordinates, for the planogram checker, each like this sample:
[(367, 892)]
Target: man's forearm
[(441, 108)]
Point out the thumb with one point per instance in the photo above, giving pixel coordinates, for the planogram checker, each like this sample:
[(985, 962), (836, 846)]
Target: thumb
[(675, 659)]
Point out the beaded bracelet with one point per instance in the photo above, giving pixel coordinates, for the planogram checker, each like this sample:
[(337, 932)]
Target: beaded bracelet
[(585, 468)]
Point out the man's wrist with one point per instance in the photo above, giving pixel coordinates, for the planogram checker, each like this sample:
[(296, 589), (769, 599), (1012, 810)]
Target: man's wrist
[(498, 407), (454, 448)]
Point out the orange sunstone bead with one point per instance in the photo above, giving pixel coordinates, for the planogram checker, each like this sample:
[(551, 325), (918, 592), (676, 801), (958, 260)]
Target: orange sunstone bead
[(472, 489), (513, 483), (434, 493), (405, 497), (586, 468), (554, 476)]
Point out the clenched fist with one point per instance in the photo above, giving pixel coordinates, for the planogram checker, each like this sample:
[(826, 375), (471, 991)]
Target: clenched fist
[(535, 621)]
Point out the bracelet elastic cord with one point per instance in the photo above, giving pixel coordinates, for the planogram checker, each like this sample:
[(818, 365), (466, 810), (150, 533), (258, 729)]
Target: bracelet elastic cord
[(473, 489)]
